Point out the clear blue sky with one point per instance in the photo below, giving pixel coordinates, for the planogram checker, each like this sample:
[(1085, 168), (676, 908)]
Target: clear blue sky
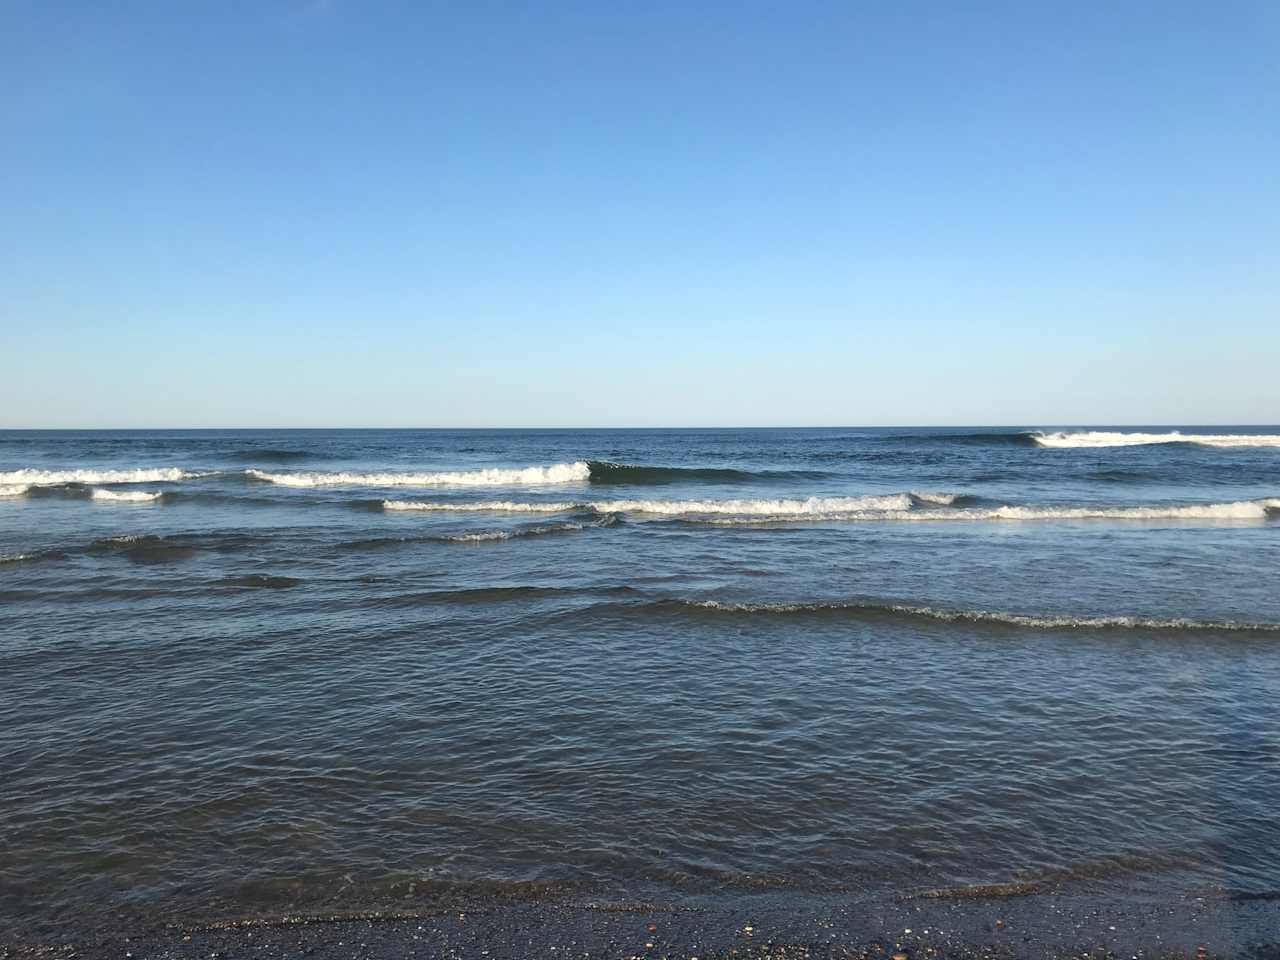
[(329, 212)]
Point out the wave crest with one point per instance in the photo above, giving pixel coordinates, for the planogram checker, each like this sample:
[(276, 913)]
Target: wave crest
[(1105, 438), (126, 496), (141, 475), (811, 506), (1043, 622), (1240, 510), (14, 489), (913, 506), (484, 506), (489, 477), (490, 536), (608, 472)]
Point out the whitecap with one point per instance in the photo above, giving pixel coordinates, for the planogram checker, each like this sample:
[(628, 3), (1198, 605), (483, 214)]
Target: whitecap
[(139, 475), (490, 477), (1105, 438), (127, 496), (484, 506)]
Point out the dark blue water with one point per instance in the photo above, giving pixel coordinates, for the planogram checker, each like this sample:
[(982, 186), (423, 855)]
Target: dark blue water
[(342, 664)]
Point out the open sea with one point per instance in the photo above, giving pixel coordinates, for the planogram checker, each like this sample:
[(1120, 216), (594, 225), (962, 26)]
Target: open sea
[(243, 671)]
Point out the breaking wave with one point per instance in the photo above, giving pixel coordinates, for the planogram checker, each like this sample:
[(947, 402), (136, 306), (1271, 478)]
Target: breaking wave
[(914, 506), (126, 496), (141, 475), (490, 477), (1240, 510), (1103, 438), (483, 506), (607, 472), (1042, 622), (14, 489), (773, 508), (812, 506), (1021, 438)]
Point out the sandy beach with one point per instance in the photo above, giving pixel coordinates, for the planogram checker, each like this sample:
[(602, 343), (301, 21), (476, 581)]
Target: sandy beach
[(572, 921)]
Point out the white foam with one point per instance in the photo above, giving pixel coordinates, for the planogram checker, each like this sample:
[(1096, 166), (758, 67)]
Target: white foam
[(14, 489), (492, 477), (985, 616), (941, 499), (127, 496), (1240, 510), (1103, 438), (486, 506), (900, 507), (140, 475), (772, 508)]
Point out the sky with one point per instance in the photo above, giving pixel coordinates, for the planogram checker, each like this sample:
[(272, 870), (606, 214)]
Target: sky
[(331, 213)]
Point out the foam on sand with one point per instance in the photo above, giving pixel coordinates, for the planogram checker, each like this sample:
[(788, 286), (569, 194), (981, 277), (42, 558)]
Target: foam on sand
[(492, 477)]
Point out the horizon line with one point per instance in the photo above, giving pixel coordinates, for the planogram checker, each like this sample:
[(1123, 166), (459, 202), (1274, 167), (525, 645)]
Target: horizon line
[(819, 426)]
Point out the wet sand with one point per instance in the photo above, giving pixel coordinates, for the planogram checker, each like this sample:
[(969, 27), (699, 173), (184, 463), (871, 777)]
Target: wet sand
[(995, 921)]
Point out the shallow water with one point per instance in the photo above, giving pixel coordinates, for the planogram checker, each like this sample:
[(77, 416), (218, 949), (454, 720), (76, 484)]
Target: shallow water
[(253, 665)]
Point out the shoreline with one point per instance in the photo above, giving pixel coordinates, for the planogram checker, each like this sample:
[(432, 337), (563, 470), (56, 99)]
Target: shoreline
[(988, 921)]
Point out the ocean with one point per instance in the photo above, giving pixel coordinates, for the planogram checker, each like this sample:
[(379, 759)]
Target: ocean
[(246, 671)]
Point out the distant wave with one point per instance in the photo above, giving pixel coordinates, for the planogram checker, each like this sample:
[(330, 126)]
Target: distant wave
[(491, 477), (127, 496), (14, 489), (141, 475), (1102, 438), (1021, 438), (607, 472), (270, 455), (1043, 622)]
